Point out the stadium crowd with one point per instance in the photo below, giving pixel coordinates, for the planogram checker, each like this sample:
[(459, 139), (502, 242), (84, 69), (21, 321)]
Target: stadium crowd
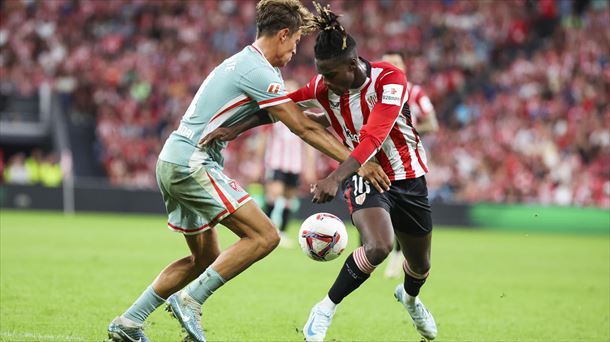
[(520, 87)]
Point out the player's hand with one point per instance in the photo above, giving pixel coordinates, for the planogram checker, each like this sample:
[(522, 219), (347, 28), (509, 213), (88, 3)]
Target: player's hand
[(372, 172), (220, 133), (325, 190)]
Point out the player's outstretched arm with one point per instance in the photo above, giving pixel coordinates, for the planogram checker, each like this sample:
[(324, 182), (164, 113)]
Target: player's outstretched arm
[(312, 130), (230, 133), (315, 134), (319, 118), (308, 130), (372, 135)]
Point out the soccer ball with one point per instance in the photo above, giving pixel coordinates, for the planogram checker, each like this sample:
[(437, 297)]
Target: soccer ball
[(323, 237)]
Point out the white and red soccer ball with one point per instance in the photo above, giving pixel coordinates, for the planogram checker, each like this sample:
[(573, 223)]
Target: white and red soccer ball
[(323, 237)]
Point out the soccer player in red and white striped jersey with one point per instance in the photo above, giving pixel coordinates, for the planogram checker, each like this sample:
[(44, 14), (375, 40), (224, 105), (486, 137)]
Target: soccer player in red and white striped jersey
[(364, 117), (366, 106)]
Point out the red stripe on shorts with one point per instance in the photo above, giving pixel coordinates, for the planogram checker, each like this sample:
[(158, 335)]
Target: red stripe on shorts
[(224, 199)]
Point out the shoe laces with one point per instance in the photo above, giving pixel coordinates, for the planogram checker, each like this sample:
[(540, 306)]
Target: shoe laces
[(135, 332), (420, 312), (322, 320), (192, 305)]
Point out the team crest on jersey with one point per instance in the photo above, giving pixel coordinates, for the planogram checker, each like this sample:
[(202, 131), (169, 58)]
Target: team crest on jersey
[(372, 100), (274, 88), (235, 186), (392, 94), (351, 136), (360, 199)]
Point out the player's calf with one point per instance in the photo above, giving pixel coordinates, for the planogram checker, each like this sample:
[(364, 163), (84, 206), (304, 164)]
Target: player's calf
[(355, 271), (415, 278)]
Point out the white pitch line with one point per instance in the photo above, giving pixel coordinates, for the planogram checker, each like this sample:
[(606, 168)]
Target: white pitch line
[(38, 337)]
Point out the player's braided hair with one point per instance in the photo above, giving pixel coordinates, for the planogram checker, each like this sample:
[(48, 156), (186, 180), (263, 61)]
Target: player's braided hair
[(333, 40)]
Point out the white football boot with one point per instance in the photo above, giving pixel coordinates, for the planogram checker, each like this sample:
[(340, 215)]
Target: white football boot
[(422, 318), (317, 324)]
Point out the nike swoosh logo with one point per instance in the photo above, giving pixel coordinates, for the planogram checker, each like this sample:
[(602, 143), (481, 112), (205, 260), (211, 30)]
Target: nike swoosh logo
[(310, 332), (131, 339)]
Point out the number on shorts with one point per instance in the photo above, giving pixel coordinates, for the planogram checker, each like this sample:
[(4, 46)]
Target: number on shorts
[(361, 186)]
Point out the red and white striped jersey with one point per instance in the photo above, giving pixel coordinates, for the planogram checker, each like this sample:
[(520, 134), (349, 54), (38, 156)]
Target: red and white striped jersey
[(419, 103), (284, 150), (372, 120)]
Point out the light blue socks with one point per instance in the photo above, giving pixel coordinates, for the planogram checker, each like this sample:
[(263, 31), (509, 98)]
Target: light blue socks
[(203, 287), (144, 306)]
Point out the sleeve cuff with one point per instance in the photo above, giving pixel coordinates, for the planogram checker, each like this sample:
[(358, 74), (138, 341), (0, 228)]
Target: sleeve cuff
[(365, 150), (273, 102)]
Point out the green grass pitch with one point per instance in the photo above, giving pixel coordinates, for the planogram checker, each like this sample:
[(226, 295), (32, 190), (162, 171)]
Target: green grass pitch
[(64, 278)]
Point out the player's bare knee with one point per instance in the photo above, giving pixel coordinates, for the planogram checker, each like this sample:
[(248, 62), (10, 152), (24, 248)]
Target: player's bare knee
[(274, 239), (269, 239), (377, 252)]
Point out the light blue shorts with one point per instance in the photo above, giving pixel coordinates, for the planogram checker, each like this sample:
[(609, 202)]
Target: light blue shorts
[(197, 198)]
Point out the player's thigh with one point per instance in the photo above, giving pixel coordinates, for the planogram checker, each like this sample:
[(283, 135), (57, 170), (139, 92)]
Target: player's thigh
[(375, 226), (250, 221), (370, 214), (369, 210)]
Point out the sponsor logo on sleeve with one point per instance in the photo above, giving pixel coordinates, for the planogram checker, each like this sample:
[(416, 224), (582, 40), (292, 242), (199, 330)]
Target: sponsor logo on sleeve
[(392, 94), (274, 88)]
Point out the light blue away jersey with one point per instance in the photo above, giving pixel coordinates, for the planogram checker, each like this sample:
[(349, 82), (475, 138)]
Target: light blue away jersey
[(234, 90)]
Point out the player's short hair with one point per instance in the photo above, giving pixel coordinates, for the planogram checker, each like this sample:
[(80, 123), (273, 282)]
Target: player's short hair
[(275, 15), (332, 41)]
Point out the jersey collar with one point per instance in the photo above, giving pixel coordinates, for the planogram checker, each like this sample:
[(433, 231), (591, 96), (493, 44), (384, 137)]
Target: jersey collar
[(257, 49)]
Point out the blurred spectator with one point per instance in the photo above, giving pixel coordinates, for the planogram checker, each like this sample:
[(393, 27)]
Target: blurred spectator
[(520, 87), (50, 171), (34, 169), (16, 172), (33, 165)]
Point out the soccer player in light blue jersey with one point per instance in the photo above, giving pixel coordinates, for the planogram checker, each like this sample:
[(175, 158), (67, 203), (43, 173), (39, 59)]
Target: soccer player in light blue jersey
[(198, 195)]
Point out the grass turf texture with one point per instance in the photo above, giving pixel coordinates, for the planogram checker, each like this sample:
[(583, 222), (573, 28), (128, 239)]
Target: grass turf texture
[(65, 278)]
